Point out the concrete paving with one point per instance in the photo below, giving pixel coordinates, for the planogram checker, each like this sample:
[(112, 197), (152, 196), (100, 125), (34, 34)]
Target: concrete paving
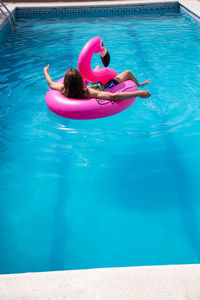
[(192, 5), (139, 283)]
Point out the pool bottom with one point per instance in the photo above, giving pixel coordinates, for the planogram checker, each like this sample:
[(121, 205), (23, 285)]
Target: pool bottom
[(82, 150)]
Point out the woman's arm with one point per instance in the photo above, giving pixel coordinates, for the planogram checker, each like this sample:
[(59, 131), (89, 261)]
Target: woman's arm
[(117, 96), (51, 83), (128, 95)]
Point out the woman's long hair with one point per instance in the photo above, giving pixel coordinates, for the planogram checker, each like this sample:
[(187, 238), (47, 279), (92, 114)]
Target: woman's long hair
[(73, 84)]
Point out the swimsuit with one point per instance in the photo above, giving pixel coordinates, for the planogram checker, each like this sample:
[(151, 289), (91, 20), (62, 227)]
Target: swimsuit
[(110, 84), (99, 87)]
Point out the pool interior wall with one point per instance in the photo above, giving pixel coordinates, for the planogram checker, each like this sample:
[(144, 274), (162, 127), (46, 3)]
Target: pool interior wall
[(118, 191), (96, 10)]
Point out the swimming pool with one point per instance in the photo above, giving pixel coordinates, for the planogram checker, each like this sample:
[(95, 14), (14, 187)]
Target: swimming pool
[(119, 191)]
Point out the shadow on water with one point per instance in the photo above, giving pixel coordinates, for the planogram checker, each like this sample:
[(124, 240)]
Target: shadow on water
[(172, 157), (184, 196), (60, 225)]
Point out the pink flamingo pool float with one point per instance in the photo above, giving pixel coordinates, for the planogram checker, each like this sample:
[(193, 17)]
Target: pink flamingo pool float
[(83, 109)]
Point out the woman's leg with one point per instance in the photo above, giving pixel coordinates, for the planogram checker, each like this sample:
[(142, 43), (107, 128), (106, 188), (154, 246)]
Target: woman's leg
[(127, 75), (97, 68)]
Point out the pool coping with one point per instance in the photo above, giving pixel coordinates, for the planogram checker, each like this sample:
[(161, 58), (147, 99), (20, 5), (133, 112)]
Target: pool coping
[(175, 282), (172, 282)]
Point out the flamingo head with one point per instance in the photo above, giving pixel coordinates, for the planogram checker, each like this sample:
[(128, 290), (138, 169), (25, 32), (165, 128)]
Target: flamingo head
[(105, 56)]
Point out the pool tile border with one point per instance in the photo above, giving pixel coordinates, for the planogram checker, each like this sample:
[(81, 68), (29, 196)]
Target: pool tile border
[(137, 8), (184, 6)]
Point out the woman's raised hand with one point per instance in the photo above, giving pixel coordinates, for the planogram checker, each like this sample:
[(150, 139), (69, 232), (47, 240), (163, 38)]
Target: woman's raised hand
[(46, 69)]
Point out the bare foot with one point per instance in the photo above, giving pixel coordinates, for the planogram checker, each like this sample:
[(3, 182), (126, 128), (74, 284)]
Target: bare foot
[(145, 82)]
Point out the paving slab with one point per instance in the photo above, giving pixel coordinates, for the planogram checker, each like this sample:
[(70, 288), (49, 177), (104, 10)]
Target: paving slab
[(176, 282)]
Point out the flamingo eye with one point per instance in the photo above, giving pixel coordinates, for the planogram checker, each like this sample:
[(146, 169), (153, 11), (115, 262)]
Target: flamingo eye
[(102, 44)]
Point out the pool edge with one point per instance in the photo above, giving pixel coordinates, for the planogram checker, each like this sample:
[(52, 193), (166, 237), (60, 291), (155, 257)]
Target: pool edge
[(176, 282), (190, 7)]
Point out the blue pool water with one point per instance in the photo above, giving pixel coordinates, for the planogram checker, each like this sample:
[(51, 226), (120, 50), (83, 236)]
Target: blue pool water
[(112, 192)]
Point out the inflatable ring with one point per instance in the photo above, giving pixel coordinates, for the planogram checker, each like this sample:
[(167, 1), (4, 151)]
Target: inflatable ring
[(92, 108), (83, 109)]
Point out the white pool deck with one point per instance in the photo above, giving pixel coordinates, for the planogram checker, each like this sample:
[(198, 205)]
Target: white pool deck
[(173, 282), (135, 283)]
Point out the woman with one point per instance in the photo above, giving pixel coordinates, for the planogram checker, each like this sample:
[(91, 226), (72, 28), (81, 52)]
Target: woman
[(73, 86)]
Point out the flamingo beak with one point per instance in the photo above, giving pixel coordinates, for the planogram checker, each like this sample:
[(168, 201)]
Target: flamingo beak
[(105, 57)]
